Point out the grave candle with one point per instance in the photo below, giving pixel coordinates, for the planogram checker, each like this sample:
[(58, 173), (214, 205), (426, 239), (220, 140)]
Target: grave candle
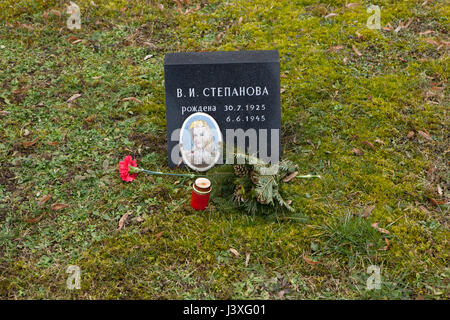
[(201, 190)]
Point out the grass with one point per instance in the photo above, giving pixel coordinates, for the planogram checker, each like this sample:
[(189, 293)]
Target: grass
[(390, 102)]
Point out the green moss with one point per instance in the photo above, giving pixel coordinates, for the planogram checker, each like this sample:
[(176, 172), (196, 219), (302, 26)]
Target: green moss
[(333, 101)]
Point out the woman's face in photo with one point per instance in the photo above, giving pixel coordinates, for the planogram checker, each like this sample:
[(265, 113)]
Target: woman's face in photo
[(201, 137)]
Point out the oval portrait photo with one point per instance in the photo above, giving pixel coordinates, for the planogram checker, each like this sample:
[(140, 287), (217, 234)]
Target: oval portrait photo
[(200, 141)]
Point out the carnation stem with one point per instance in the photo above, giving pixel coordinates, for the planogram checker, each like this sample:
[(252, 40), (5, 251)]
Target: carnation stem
[(308, 176), (191, 175)]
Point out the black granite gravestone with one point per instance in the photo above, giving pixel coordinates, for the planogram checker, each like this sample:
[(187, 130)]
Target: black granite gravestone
[(240, 90)]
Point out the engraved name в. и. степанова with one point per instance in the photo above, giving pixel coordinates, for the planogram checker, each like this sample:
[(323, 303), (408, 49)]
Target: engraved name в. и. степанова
[(223, 92)]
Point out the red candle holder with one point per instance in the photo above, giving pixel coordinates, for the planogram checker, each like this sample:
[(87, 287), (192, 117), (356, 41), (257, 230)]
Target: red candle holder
[(201, 190)]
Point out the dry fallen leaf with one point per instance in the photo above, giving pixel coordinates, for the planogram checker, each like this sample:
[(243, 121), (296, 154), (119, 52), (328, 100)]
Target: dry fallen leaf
[(424, 135), (379, 141), (388, 27), (72, 39), (55, 12), (22, 90), (357, 151), (400, 27), (351, 5), (28, 144), (234, 251), (290, 177), (123, 220), (437, 202), (150, 45), (148, 57), (410, 134), (309, 261), (159, 235), (330, 15), (36, 219), (247, 258), (368, 211), (431, 41), (369, 144), (359, 54), (132, 99), (375, 225), (409, 23), (44, 199), (58, 206), (424, 210), (425, 32), (336, 48), (74, 97), (387, 244)]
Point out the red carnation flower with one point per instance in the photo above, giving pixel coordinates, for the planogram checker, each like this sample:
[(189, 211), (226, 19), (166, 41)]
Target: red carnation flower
[(124, 169)]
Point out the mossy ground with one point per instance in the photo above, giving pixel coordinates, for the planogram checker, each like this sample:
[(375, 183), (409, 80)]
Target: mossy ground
[(333, 101)]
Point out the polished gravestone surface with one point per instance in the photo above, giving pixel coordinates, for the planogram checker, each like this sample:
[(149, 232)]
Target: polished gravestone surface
[(239, 89)]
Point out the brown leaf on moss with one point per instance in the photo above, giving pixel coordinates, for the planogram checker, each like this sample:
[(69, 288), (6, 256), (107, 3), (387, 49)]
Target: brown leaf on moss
[(72, 39), (424, 210), (379, 141), (351, 5), (330, 15), (22, 90), (409, 23), (37, 219), (375, 225), (431, 41), (386, 240), (159, 234), (425, 32), (123, 221), (410, 134), (235, 252), (290, 177), (388, 27), (335, 48), (55, 12), (74, 97), (28, 144), (44, 199), (247, 258), (368, 211), (369, 144), (356, 51), (424, 135), (357, 151), (132, 99), (437, 202), (309, 261), (58, 206)]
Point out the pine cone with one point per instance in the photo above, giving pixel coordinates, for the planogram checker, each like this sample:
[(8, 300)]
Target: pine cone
[(238, 196), (241, 170), (254, 177)]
